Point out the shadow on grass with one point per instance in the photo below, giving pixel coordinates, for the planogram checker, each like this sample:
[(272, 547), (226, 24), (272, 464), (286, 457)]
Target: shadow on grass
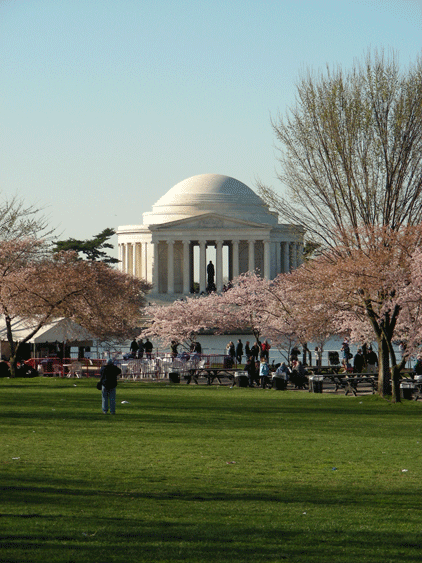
[(26, 491), (66, 534)]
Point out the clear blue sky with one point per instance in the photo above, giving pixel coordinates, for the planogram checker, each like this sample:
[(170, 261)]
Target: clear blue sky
[(106, 104)]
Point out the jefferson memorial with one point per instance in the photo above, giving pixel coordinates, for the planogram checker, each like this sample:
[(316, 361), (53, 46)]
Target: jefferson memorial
[(205, 216)]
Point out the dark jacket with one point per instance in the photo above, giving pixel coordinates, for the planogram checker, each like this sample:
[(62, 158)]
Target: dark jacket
[(148, 346), (250, 368), (109, 374), (358, 363)]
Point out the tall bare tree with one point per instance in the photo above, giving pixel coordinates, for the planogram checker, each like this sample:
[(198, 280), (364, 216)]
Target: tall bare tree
[(19, 220), (351, 150)]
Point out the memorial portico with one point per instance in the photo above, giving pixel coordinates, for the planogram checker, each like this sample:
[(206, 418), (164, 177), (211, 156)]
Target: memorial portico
[(171, 248)]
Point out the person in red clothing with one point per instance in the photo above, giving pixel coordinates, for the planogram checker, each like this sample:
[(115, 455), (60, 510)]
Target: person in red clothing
[(265, 349)]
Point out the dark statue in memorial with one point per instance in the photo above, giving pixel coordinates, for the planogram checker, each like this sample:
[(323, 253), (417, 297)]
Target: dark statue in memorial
[(210, 277)]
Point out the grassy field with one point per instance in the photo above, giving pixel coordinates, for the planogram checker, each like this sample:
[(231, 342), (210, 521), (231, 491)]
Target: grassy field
[(212, 474)]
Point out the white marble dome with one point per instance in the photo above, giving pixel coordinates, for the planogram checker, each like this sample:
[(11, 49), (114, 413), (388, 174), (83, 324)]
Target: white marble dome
[(210, 193)]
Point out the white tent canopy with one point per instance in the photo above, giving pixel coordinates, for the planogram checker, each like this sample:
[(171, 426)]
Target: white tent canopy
[(60, 330)]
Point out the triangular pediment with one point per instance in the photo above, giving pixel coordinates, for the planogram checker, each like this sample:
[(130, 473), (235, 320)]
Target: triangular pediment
[(208, 221)]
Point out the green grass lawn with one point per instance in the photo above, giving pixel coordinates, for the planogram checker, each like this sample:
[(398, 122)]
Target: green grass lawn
[(198, 473)]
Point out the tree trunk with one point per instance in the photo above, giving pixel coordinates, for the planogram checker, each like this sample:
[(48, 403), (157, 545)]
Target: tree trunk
[(395, 384), (13, 360), (12, 345), (384, 378), (304, 350)]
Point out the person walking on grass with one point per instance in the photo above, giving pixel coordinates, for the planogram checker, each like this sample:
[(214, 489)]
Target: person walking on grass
[(109, 374)]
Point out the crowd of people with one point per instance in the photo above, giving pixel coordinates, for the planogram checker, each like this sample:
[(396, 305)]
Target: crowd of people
[(257, 362), (365, 359), (140, 349)]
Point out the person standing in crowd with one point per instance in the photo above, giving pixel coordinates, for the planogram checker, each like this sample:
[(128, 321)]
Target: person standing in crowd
[(250, 369), (231, 350), (298, 375), (318, 356), (109, 374), (239, 351), (133, 348), (346, 352), (148, 346), (371, 360), (358, 361), (294, 354), (264, 372), (255, 350), (265, 349), (247, 349)]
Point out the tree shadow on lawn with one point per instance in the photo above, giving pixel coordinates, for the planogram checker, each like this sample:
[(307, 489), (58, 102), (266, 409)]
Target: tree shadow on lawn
[(66, 534), (28, 490), (137, 541), (213, 417)]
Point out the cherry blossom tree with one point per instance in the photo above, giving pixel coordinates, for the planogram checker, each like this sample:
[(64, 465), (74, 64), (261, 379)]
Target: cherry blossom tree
[(241, 307), (296, 318), (244, 306), (39, 288), (370, 292), (181, 321)]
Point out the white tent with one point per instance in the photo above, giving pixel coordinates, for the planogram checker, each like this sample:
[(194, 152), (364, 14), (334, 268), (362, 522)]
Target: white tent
[(60, 330)]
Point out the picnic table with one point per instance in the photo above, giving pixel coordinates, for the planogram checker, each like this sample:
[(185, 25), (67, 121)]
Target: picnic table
[(349, 381), (210, 373)]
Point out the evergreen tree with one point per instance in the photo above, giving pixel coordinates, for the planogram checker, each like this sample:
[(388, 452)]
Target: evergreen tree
[(92, 249)]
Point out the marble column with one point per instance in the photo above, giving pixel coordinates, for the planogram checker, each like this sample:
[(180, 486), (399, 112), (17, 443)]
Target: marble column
[(202, 266), (186, 267), (155, 266), (267, 260), (134, 259), (299, 254), (219, 265), (170, 267), (294, 255), (127, 258), (144, 261), (286, 257), (275, 258), (121, 256), (251, 255), (235, 254)]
